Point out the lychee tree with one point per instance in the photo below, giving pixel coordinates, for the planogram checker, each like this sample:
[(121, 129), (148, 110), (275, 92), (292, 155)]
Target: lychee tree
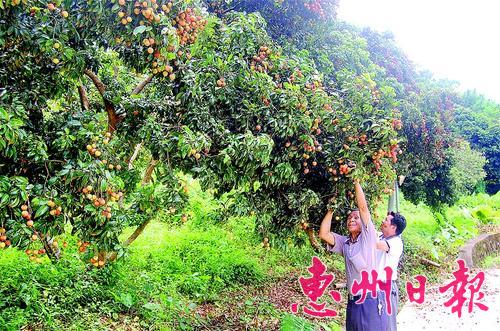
[(431, 109), (60, 164), (285, 18), (94, 87)]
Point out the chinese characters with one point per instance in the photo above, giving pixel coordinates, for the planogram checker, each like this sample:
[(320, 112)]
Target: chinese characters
[(463, 288)]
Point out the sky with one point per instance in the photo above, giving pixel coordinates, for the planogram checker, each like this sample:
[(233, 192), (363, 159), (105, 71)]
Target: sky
[(454, 39)]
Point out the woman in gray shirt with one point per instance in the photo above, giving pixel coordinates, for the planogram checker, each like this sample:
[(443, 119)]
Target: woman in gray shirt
[(358, 250)]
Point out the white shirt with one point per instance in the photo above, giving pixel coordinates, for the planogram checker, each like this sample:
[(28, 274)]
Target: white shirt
[(389, 258)]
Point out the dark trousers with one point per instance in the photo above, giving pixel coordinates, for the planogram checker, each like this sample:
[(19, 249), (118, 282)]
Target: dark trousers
[(392, 325), (367, 316)]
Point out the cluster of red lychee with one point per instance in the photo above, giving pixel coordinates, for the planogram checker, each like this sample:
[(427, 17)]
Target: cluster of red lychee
[(55, 210), (315, 127), (377, 158), (188, 26), (394, 150), (4, 242), (375, 96), (306, 166), (296, 73), (95, 152), (26, 215), (98, 262), (344, 169), (315, 85), (165, 70), (148, 10), (396, 124), (260, 61), (82, 246), (363, 140), (221, 82), (102, 202), (317, 7), (315, 147), (92, 149), (35, 255)]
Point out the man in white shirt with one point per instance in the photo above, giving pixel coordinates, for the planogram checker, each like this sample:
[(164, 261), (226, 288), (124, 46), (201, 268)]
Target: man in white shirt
[(389, 251)]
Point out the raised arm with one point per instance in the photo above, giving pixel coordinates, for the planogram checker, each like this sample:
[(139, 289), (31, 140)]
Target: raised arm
[(382, 245), (324, 230), (361, 203)]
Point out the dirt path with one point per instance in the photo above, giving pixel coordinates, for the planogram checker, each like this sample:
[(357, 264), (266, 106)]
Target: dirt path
[(433, 315)]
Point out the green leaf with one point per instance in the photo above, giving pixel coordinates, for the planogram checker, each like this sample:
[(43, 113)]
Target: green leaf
[(3, 114), (139, 29), (170, 56), (152, 306), (104, 185), (89, 208), (41, 211), (4, 199)]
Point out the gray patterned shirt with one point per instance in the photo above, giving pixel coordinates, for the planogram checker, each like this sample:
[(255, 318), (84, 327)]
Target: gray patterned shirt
[(358, 255)]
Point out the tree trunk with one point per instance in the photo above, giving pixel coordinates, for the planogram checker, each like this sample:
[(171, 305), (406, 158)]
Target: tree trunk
[(134, 156), (147, 178), (84, 100), (113, 118), (312, 239), (149, 171)]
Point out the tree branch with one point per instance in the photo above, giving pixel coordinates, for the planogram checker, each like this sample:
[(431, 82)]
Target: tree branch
[(113, 118), (147, 178), (134, 156), (97, 82), (149, 171), (141, 86), (429, 262), (136, 233), (84, 100), (312, 239), (228, 10)]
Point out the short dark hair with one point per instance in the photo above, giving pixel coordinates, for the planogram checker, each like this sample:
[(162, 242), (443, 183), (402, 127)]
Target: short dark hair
[(399, 221)]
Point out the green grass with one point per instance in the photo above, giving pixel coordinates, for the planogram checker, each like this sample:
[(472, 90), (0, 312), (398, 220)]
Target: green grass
[(50, 292), (491, 261)]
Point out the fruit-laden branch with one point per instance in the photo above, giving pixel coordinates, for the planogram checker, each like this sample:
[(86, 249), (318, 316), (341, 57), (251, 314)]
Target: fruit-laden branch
[(51, 250), (141, 86), (147, 178), (113, 118), (84, 100)]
